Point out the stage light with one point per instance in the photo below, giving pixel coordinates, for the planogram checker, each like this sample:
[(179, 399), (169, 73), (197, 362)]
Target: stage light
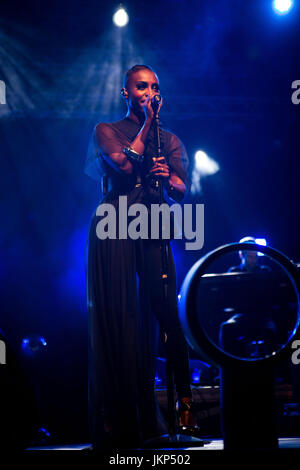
[(196, 376), (158, 380), (33, 345), (120, 18), (261, 241), (258, 241), (204, 166), (282, 6), (43, 436)]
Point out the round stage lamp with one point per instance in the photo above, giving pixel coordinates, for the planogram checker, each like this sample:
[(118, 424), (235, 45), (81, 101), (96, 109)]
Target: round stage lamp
[(282, 7), (120, 17), (244, 322)]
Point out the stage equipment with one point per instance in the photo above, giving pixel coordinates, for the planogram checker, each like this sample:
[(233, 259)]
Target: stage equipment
[(245, 323), (19, 415)]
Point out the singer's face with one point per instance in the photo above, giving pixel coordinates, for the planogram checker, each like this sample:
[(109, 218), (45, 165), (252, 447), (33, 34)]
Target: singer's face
[(141, 85)]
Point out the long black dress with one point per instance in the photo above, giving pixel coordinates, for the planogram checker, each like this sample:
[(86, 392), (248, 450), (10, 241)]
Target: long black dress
[(123, 292)]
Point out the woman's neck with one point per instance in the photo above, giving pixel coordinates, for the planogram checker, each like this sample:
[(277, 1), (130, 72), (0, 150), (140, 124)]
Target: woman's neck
[(138, 118)]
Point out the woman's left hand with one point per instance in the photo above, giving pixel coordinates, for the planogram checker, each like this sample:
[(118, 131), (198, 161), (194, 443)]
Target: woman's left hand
[(160, 168)]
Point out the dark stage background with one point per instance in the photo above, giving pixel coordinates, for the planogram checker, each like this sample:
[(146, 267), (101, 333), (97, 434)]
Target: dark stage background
[(226, 68)]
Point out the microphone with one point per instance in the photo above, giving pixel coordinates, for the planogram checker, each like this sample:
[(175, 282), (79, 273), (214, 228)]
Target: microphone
[(155, 102)]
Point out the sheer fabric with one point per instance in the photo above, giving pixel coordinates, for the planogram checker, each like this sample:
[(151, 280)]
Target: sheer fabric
[(124, 296), (108, 138)]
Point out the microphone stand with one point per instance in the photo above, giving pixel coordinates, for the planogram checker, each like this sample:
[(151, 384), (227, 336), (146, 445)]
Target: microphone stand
[(172, 439)]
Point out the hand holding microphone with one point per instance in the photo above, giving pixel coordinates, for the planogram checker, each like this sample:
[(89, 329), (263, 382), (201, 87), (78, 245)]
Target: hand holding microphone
[(160, 168), (152, 106), (156, 103)]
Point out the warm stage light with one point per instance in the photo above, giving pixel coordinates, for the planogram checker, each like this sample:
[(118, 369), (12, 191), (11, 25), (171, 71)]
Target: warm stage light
[(120, 17), (282, 6)]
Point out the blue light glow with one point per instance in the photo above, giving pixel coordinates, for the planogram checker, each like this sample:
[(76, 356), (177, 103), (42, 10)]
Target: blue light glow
[(204, 166), (196, 376), (281, 7), (261, 241), (33, 345), (158, 380)]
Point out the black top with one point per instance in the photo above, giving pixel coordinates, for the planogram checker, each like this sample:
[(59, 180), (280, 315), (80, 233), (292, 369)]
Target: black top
[(109, 138), (122, 320)]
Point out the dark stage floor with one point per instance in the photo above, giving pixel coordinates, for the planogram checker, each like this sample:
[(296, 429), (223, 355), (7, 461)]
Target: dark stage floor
[(214, 444)]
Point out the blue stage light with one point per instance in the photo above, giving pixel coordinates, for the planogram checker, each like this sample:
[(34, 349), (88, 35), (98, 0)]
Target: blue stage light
[(33, 345), (196, 376), (158, 380), (261, 241), (282, 6), (258, 241)]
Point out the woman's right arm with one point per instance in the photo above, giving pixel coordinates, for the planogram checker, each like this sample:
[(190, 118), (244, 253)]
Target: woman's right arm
[(111, 148)]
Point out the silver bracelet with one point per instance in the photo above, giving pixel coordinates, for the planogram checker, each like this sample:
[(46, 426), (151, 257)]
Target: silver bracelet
[(133, 155)]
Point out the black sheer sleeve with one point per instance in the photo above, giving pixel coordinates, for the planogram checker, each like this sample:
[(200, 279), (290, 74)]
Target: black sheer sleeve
[(177, 158), (105, 140)]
